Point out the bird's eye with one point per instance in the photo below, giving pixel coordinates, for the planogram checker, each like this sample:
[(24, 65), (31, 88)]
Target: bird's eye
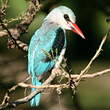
[(66, 17)]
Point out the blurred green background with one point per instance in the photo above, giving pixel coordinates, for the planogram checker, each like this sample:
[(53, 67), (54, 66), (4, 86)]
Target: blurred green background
[(93, 94)]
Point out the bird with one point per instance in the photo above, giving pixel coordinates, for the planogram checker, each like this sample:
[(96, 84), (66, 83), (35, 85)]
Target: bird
[(48, 45)]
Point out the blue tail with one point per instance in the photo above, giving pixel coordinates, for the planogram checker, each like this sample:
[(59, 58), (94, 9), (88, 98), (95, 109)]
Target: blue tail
[(35, 100)]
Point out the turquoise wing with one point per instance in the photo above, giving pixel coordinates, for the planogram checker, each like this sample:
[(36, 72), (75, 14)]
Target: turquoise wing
[(41, 46)]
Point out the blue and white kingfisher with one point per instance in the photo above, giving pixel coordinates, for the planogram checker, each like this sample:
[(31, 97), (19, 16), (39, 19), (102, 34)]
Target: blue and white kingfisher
[(48, 41)]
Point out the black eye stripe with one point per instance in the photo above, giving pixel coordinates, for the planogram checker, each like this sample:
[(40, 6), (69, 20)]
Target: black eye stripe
[(66, 17)]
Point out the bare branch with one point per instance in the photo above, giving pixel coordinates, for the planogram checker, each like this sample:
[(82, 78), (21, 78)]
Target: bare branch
[(13, 42), (28, 17), (31, 95), (22, 27), (46, 85), (74, 76), (55, 72), (92, 75), (85, 70)]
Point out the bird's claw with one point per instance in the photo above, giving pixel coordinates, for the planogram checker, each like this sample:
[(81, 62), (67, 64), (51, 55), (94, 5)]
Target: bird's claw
[(57, 71)]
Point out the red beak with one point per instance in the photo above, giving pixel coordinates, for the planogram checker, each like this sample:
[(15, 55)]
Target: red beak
[(76, 29)]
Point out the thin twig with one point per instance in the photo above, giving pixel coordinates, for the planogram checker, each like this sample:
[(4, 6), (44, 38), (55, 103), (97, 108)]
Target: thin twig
[(75, 76), (46, 85), (91, 61), (14, 41), (3, 8), (22, 27), (55, 72)]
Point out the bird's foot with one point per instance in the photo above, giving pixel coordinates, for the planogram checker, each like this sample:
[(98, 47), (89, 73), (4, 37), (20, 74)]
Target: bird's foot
[(57, 71)]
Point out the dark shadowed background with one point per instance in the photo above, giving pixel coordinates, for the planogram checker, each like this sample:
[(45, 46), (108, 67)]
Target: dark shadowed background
[(93, 94)]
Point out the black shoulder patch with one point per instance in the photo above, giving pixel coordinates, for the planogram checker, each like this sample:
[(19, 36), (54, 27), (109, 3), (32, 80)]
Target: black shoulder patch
[(57, 45)]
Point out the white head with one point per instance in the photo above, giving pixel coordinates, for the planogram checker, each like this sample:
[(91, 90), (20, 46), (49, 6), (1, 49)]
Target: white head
[(65, 18)]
